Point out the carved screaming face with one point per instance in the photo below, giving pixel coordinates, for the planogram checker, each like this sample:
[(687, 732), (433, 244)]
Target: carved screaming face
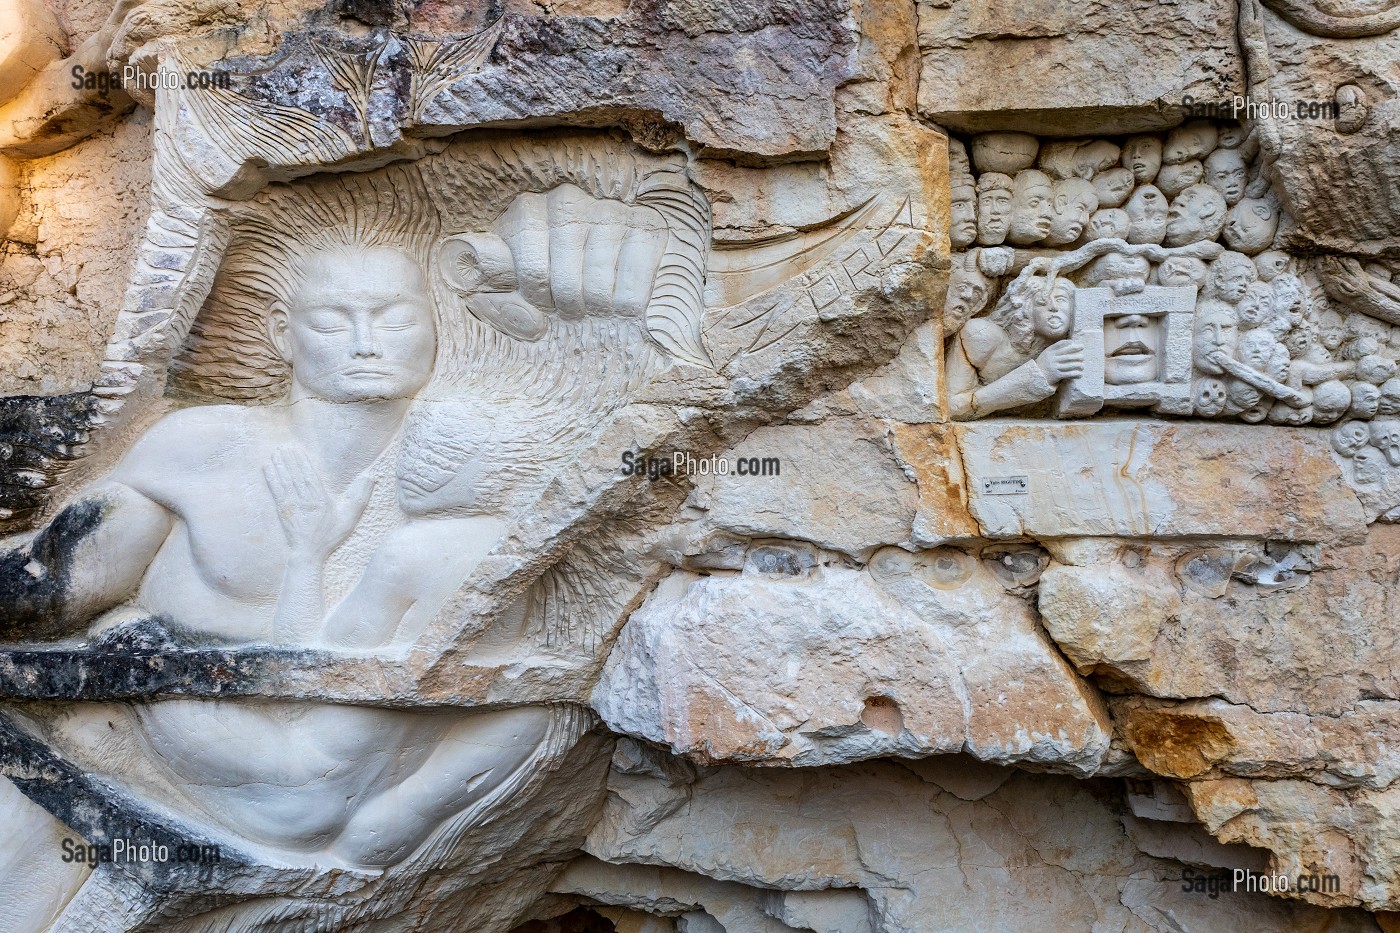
[(1031, 207), (963, 228), (1256, 308), (1052, 310), (968, 290), (1147, 216), (1197, 214), (1227, 173), (1385, 437), (1130, 349), (1181, 271), (1215, 331), (360, 326), (993, 208), (1350, 437), (1143, 157), (1208, 397)]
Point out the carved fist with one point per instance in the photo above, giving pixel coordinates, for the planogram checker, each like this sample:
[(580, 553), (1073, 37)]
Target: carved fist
[(1061, 361), (564, 252)]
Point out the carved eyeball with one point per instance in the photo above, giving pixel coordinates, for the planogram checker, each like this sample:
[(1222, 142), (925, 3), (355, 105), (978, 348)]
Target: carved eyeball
[(891, 563), (944, 568), (1206, 572), (1015, 565)]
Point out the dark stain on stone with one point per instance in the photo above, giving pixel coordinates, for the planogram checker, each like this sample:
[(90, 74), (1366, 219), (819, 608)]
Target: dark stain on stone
[(34, 579)]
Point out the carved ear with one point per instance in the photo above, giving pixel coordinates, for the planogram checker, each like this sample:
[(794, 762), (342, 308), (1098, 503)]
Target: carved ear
[(278, 330)]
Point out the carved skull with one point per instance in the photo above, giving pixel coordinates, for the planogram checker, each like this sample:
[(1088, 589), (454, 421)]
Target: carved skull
[(1385, 437), (1208, 397)]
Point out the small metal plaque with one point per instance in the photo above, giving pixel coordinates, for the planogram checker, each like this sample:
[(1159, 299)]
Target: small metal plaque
[(1006, 485)]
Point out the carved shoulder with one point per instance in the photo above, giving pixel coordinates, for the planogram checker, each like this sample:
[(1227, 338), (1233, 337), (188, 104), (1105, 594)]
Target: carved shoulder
[(189, 440), (980, 339)]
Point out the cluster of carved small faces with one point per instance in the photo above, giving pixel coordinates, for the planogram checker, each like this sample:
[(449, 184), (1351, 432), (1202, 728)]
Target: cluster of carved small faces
[(1201, 183)]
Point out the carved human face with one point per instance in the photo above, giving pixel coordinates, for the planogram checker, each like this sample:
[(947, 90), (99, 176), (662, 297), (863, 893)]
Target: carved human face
[(1331, 400), (1288, 298), (1109, 224), (1365, 400), (1350, 437), (1215, 331), (1052, 310), (1208, 397), (1231, 276), (1074, 202), (1390, 398), (963, 229), (1191, 141), (1331, 330), (1368, 466), (1256, 350), (1181, 271), (1174, 179), (1130, 349), (1250, 225), (1196, 214), (1113, 186), (1032, 207), (1231, 136), (1227, 173), (1147, 215), (968, 289), (360, 327), (1270, 263), (1256, 308), (1385, 437), (1143, 157), (993, 209)]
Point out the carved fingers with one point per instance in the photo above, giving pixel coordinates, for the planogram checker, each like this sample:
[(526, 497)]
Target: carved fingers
[(1061, 361), (314, 524)]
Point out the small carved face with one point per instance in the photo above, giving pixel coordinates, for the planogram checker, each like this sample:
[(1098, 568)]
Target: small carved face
[(1257, 349), (963, 229), (1196, 214), (1032, 207), (1350, 437), (1390, 398), (1368, 465), (1385, 437), (1181, 271), (1231, 276), (1289, 297), (993, 209), (1143, 157), (1231, 136), (1130, 349), (1109, 224), (1365, 400), (1191, 141), (1227, 173), (1052, 310), (1174, 179), (1331, 330), (1074, 201), (1215, 331), (360, 327), (1256, 308), (1250, 225), (1147, 216), (968, 289), (1270, 263), (1208, 397), (1113, 186), (1299, 341)]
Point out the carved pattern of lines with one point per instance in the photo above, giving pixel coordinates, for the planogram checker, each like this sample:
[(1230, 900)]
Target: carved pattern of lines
[(255, 129), (436, 64), (353, 74), (678, 297)]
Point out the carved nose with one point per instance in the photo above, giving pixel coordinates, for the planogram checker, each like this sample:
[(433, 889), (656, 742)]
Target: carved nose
[(366, 347)]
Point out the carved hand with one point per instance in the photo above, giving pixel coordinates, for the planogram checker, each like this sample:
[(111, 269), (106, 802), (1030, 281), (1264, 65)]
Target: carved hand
[(315, 526), (1061, 361)]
